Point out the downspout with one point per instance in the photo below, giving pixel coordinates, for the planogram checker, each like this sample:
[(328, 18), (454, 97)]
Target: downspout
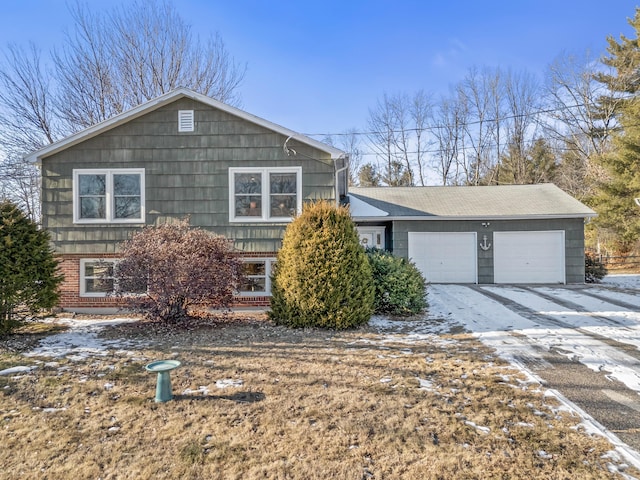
[(290, 151), (337, 179)]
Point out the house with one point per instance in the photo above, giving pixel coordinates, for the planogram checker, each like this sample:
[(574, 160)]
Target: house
[(182, 154), (185, 154)]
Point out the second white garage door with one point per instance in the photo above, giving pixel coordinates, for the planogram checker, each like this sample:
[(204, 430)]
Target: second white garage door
[(529, 257), (445, 257)]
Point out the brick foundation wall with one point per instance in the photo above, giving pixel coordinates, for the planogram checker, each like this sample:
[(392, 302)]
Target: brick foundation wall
[(71, 300)]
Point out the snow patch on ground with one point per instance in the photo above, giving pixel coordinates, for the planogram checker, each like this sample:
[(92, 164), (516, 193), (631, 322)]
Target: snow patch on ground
[(16, 369), (229, 382), (628, 281), (81, 340)]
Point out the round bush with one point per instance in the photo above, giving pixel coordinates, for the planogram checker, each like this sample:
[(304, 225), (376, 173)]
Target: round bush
[(399, 285), (322, 277)]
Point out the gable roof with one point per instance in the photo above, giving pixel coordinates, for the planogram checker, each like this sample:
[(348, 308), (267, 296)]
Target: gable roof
[(163, 100), (506, 202)]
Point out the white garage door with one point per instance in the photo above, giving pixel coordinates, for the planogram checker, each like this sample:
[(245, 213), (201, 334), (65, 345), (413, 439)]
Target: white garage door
[(445, 257), (529, 257)]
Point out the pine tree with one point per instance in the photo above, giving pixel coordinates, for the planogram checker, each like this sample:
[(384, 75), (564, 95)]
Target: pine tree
[(535, 165), (368, 176), (614, 200), (29, 275), (322, 277)]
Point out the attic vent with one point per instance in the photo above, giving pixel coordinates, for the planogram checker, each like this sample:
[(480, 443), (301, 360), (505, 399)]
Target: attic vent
[(185, 121)]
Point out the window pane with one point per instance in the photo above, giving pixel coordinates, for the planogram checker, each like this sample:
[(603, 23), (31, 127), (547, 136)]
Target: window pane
[(254, 268), (98, 269), (283, 182), (248, 183), (256, 284), (283, 206), (99, 285), (248, 206), (92, 184), (126, 184), (92, 207), (127, 207)]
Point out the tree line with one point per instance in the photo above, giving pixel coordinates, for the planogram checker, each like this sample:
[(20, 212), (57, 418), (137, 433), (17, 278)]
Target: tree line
[(577, 127), (494, 127)]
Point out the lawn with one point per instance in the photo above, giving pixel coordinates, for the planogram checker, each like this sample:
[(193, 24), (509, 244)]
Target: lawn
[(253, 400)]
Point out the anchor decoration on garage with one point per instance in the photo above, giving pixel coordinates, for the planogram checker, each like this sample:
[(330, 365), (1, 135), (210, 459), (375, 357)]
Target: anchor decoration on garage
[(484, 245)]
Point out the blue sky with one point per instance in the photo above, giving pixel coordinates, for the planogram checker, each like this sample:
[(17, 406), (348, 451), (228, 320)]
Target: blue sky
[(318, 66)]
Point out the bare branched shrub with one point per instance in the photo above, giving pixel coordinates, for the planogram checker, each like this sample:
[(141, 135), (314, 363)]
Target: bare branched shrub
[(167, 270)]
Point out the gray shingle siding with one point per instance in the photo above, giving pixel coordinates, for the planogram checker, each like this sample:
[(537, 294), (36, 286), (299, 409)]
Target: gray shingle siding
[(186, 174)]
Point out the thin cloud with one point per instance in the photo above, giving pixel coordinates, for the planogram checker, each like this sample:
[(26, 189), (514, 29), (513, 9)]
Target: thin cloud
[(456, 47)]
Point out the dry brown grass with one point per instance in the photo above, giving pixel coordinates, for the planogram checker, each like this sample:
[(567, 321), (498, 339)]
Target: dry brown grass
[(312, 405)]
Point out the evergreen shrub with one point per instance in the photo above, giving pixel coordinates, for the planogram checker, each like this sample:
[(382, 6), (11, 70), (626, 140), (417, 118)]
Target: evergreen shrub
[(29, 276), (594, 269), (399, 285), (322, 277)]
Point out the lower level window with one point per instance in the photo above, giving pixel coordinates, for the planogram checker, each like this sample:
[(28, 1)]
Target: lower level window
[(96, 277), (257, 273)]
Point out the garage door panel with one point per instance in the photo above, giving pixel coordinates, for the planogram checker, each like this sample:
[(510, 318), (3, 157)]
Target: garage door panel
[(445, 257), (529, 257)]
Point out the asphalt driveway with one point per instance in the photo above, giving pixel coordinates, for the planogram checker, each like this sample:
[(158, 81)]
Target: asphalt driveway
[(582, 341)]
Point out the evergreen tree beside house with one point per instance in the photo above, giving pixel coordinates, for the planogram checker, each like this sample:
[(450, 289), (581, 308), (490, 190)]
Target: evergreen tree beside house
[(615, 198)]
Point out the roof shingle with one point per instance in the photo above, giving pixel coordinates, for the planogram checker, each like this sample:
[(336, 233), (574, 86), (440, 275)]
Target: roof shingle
[(496, 201)]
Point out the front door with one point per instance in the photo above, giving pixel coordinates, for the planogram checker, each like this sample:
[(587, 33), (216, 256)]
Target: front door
[(371, 237)]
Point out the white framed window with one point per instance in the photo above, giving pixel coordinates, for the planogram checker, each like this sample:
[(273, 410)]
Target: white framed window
[(108, 195), (186, 121), (264, 194), (257, 273), (96, 277)]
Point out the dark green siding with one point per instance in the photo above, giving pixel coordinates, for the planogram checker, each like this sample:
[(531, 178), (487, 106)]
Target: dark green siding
[(186, 174), (573, 228)]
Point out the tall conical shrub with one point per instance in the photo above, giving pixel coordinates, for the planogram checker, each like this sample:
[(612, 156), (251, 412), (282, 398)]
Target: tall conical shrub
[(322, 277)]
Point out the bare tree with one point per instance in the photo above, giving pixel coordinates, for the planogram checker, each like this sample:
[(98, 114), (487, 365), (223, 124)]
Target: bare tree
[(518, 120), (574, 121), (108, 64), (572, 94), (27, 122), (135, 53), (449, 119), (400, 105), (399, 135), (476, 91), (383, 131), (421, 111)]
